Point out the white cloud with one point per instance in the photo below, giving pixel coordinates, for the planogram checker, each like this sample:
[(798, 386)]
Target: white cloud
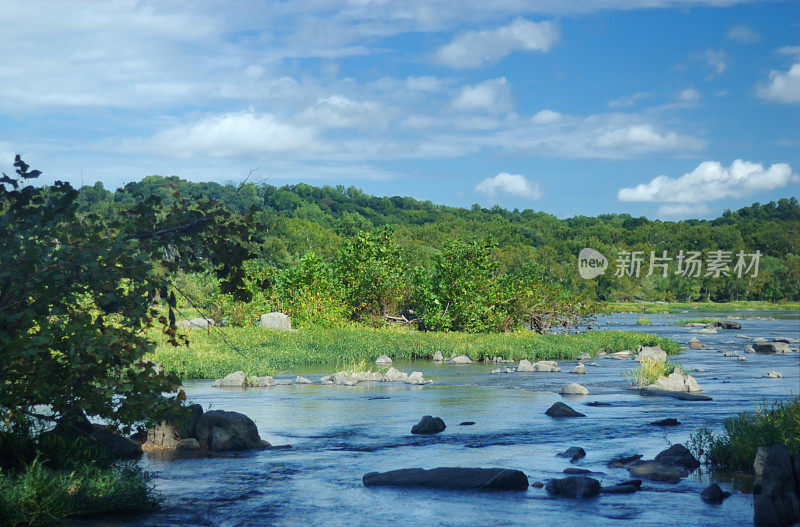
[(630, 100), (638, 136), (336, 111), (476, 48), (782, 86), (231, 134), (681, 210), (716, 59), (545, 116), (491, 96), (513, 184), (689, 95), (742, 34), (711, 181), (789, 50)]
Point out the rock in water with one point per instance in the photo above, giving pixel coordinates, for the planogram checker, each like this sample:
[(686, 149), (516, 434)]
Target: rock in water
[(774, 374), (450, 478), (525, 366), (574, 453), (395, 375), (428, 425), (670, 421), (220, 430), (437, 357), (574, 487), (655, 471), (574, 388), (460, 359), (727, 324), (275, 320), (774, 348), (777, 502), (236, 379), (560, 409), (651, 353), (580, 369), (678, 455), (619, 489), (713, 494), (383, 359), (302, 380), (677, 381)]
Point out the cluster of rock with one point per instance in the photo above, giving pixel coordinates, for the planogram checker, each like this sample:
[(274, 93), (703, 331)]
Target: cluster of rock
[(450, 478), (239, 379), (274, 320), (215, 430)]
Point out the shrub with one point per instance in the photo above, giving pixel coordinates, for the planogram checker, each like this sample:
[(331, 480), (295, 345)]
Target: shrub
[(649, 371), (644, 321), (735, 447)]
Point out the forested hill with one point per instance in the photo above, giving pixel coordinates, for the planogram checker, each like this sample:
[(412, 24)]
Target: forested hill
[(300, 218)]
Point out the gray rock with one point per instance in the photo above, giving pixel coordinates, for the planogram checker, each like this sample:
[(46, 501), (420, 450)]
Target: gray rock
[(450, 478), (760, 459), (195, 323), (584, 356), (705, 331), (302, 380), (786, 340), (624, 461), (624, 354), (777, 501), (677, 381), (656, 471), (651, 353), (573, 453), (573, 487), (237, 379), (774, 348), (713, 494), (395, 375), (275, 320), (460, 359), (383, 359), (671, 421), (220, 430), (683, 396), (560, 409), (416, 377), (428, 425), (574, 388), (263, 382), (437, 357), (619, 489), (679, 455), (774, 374), (580, 369), (525, 366), (749, 349), (188, 444), (727, 324)]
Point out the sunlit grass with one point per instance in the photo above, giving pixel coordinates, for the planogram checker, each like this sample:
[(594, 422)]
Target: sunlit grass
[(735, 447), (257, 351), (649, 371), (654, 308), (644, 321), (694, 321)]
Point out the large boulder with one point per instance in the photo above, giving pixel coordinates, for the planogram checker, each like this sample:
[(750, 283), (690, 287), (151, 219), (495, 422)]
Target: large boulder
[(573, 487), (573, 453), (395, 375), (383, 359), (669, 465), (678, 455), (651, 354), (450, 478), (713, 494), (275, 320), (580, 369), (220, 430), (437, 357), (560, 409), (459, 359), (428, 425), (776, 501), (772, 348)]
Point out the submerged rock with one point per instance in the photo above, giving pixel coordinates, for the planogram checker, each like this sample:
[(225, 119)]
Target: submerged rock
[(619, 489), (727, 324), (574, 487), (573, 453), (428, 425), (655, 471), (670, 421), (623, 461), (683, 396), (560, 409), (450, 478)]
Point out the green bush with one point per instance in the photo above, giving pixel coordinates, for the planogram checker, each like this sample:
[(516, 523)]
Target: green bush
[(735, 447), (649, 371)]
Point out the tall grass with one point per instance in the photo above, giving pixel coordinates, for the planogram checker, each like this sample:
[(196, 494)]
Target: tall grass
[(694, 321), (649, 371), (644, 321), (257, 351), (735, 447), (38, 495)]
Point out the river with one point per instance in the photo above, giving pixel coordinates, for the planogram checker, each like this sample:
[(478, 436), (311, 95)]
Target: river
[(338, 433)]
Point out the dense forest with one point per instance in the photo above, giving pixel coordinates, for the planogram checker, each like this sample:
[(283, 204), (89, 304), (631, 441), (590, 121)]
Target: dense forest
[(300, 223)]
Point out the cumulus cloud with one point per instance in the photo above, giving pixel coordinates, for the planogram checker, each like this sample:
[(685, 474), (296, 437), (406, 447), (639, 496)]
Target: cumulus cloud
[(782, 86), (337, 111), (638, 136), (711, 181), (513, 184), (232, 134), (742, 34), (491, 96), (476, 48)]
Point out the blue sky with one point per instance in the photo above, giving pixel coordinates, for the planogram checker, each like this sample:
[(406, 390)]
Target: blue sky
[(663, 108)]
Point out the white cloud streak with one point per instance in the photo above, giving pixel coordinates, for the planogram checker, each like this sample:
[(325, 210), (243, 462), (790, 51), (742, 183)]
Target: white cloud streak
[(477, 48), (492, 96), (742, 35)]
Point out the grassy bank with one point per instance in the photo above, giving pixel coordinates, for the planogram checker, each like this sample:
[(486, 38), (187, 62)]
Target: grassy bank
[(735, 447), (679, 307), (38, 495), (261, 352)]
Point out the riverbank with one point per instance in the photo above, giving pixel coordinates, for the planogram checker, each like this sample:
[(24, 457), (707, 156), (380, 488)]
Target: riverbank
[(681, 307), (216, 352)]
